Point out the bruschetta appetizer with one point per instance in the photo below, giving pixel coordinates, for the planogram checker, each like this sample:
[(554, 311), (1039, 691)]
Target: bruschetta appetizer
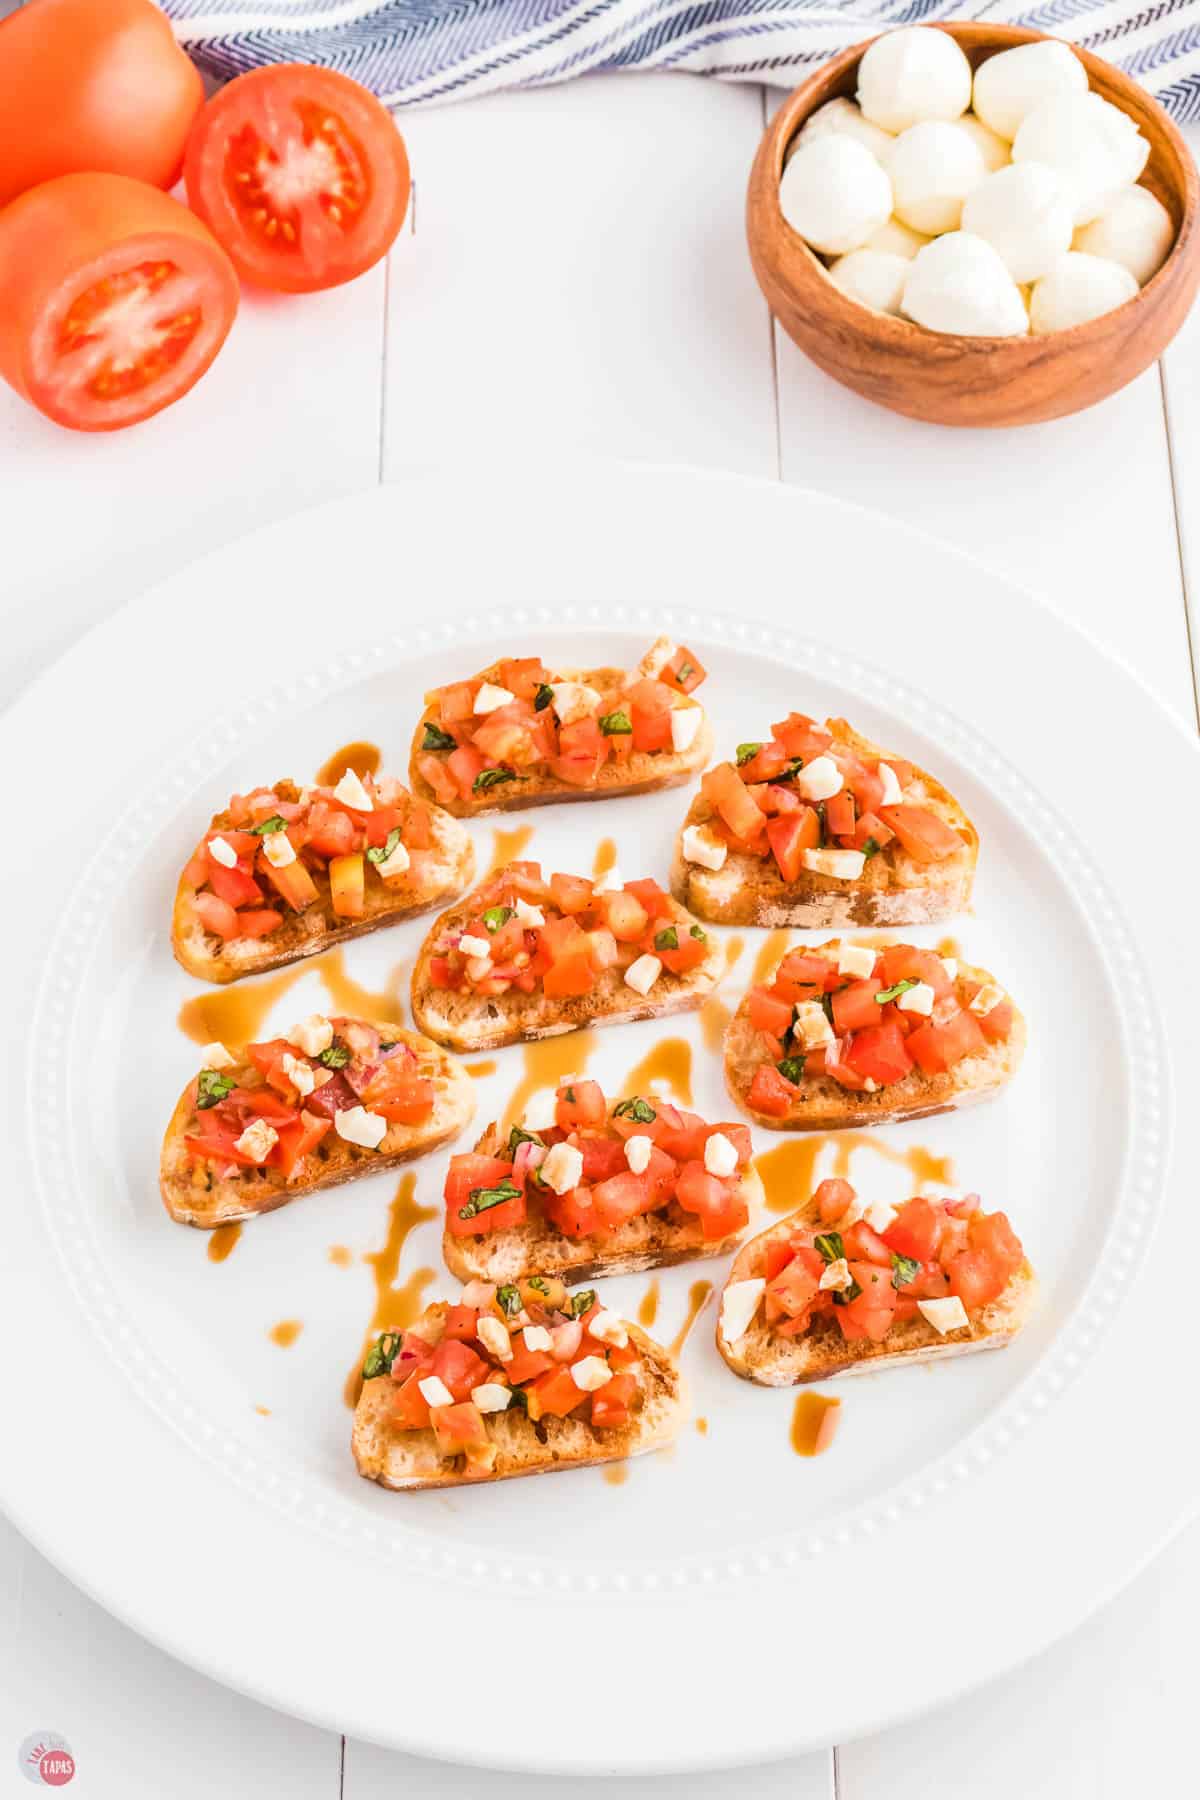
[(515, 1380), (332, 1100), (519, 734), (285, 872), (583, 1188), (839, 1287), (819, 827), (848, 1035), (529, 957)]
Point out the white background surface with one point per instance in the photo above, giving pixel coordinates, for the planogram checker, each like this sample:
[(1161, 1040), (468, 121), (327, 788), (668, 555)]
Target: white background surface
[(577, 281)]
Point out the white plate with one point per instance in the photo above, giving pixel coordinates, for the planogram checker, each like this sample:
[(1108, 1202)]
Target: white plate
[(967, 1515)]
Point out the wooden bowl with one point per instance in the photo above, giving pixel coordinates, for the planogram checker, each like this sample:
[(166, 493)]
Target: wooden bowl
[(973, 380)]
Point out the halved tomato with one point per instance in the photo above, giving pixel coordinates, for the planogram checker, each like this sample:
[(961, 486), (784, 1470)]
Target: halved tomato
[(114, 300), (301, 174)]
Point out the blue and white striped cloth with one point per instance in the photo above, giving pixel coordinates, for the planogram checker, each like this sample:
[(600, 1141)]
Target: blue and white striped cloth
[(425, 51)]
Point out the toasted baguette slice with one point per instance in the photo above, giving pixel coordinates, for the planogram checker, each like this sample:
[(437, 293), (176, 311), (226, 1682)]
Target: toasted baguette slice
[(194, 1194), (641, 772), (411, 1459), (822, 1104), (435, 875), (773, 1360), (471, 1022), (650, 1241), (893, 889)]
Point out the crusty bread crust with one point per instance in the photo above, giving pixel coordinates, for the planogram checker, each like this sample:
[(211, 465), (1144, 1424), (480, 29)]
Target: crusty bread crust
[(470, 1022), (893, 889), (437, 874), (653, 1241), (642, 772), (822, 1104), (764, 1356), (193, 1195), (404, 1460)]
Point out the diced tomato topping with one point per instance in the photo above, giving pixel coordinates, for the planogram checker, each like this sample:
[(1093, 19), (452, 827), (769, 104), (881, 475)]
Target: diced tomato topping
[(938, 1048), (296, 1139), (724, 790), (580, 1104), (924, 836), (767, 1012), (770, 1094), (461, 1323), (854, 1007), (717, 1201), (832, 1199), (879, 1054), (410, 1409), (455, 1363), (613, 1403), (554, 1393), (790, 834)]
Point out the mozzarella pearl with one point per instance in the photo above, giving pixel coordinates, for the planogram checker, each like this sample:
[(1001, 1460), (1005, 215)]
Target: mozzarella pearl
[(933, 168), (958, 284), (912, 75), (995, 150), (834, 193), (874, 278), (1024, 214), (1078, 288), (1008, 86), (1135, 229), (1096, 148), (896, 239), (844, 116)]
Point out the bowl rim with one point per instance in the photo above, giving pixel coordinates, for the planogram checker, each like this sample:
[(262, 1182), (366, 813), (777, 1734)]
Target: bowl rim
[(893, 330)]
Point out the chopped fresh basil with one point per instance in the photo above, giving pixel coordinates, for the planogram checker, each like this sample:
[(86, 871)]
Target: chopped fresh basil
[(519, 1136), (569, 1096), (666, 940), (830, 1245), (490, 778), (337, 1055), (382, 1355), (483, 1199), (615, 724), (747, 752), (543, 698), (791, 769), (268, 827), (437, 739), (792, 1069), (827, 1006), (537, 1284), (904, 1269), (637, 1109), (700, 936), (509, 1298), (897, 988), (378, 853), (582, 1302), (870, 848), (683, 671), (212, 1088), (847, 1294), (496, 916), (519, 1398)]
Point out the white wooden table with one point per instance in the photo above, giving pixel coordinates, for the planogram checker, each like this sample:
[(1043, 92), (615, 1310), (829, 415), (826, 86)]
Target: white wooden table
[(575, 281)]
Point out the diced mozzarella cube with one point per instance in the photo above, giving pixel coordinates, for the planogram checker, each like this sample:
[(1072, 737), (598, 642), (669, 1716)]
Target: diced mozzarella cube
[(917, 999), (312, 1035), (739, 1303), (397, 863), (540, 1111), (720, 1157), (837, 1276), (843, 865), (300, 1074), (702, 847), (479, 967), (537, 1337), (944, 1315), (493, 1335), (661, 652), (590, 1373), (574, 700), (879, 1216), (870, 1085), (812, 1027), (491, 1396), (258, 1140), (478, 1294), (434, 1391), (529, 916), (685, 723), (278, 849), (351, 792), (222, 852), (491, 698), (950, 964), (857, 960), (637, 1152), (820, 779), (891, 785), (642, 974), (988, 996), (609, 1328), (611, 882), (355, 1125), (563, 1168), (216, 1056), (470, 945)]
